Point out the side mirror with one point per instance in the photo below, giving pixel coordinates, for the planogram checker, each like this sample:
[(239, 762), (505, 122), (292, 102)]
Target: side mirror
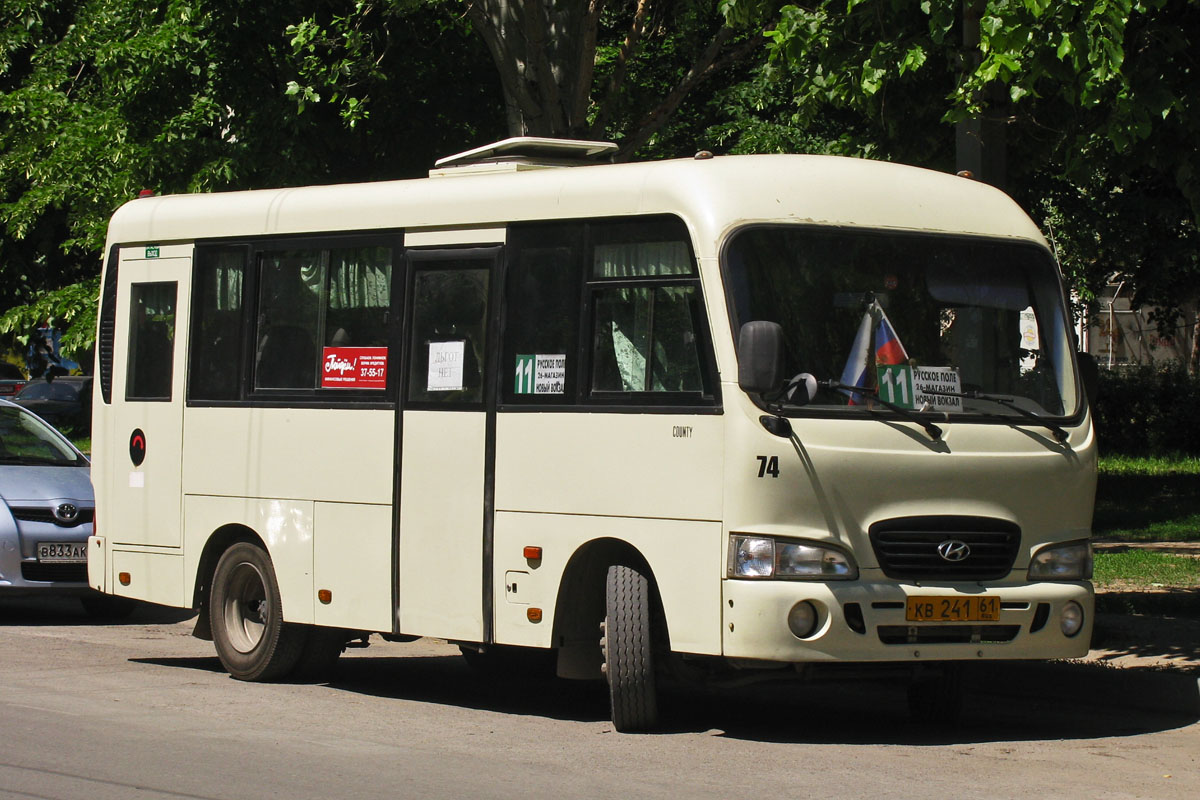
[(760, 356), (1089, 373)]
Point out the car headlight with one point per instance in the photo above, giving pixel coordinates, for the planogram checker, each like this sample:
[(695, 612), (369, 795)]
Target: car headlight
[(767, 557), (1068, 561)]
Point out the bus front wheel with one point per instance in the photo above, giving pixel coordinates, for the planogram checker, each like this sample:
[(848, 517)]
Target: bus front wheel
[(629, 650), (252, 640)]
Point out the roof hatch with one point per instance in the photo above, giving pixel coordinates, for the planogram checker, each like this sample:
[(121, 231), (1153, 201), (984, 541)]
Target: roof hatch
[(524, 152)]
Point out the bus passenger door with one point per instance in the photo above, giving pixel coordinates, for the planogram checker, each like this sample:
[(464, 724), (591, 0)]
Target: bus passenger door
[(147, 397), (447, 427)]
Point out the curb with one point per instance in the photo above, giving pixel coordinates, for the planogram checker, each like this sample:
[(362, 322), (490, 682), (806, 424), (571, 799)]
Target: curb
[(1172, 548)]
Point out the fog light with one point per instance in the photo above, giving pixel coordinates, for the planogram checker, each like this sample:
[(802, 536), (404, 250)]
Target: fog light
[(1072, 618), (802, 619)]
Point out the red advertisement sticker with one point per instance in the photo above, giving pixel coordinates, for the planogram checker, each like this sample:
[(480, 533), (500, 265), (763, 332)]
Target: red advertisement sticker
[(354, 368)]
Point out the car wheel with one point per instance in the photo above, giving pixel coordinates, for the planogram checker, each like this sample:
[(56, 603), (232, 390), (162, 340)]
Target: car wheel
[(252, 640), (629, 650)]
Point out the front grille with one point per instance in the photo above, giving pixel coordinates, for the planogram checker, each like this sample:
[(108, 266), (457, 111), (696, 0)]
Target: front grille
[(947, 634), (907, 547), (68, 573), (47, 515)]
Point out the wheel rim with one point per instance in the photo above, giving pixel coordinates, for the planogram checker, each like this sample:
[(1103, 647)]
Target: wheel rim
[(246, 608)]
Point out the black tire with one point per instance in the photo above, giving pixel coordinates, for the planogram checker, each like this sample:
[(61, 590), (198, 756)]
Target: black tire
[(629, 650), (107, 606), (252, 640)]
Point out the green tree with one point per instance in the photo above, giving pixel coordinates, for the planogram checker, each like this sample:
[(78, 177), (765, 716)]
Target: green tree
[(593, 70), (1096, 99), (102, 98)]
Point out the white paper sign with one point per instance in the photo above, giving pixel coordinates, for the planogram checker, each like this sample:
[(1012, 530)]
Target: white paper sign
[(445, 366), (1027, 324), (937, 379), (550, 374)]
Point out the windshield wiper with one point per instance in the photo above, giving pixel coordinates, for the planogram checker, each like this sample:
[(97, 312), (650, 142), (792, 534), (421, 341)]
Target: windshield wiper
[(1059, 434), (934, 431)]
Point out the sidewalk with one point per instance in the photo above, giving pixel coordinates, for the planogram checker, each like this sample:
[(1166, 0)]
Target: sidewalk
[(1148, 627)]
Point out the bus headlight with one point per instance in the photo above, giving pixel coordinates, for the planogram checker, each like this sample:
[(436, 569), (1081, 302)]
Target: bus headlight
[(753, 557), (767, 557), (1068, 561)]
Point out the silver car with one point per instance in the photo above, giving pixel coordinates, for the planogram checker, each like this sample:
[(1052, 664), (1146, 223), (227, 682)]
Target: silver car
[(46, 511)]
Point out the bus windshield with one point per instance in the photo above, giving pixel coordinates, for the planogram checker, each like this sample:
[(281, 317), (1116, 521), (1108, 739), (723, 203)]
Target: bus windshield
[(928, 322)]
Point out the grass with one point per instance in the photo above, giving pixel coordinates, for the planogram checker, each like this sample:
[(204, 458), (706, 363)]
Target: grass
[(1146, 569), (1148, 499)]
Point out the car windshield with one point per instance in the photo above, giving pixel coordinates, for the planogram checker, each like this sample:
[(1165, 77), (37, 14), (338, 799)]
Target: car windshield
[(25, 439), (49, 391), (927, 322)]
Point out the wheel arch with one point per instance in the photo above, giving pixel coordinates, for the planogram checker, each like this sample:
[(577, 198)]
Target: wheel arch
[(218, 542), (579, 607)]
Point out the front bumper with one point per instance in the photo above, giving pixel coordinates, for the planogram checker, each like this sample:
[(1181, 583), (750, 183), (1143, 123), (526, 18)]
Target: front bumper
[(20, 571), (755, 622)]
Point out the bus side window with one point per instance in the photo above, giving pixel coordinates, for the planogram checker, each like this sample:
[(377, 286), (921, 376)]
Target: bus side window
[(151, 341), (214, 369), (541, 331), (359, 297), (289, 308), (447, 347), (646, 317)]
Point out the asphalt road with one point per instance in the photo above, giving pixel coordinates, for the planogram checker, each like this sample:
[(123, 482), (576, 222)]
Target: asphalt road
[(142, 710)]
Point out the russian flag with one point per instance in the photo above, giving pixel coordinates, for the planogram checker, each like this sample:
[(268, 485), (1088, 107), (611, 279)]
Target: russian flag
[(888, 349), (855, 372)]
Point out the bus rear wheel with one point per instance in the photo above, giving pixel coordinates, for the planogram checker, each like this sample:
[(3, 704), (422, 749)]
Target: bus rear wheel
[(629, 650), (252, 640)]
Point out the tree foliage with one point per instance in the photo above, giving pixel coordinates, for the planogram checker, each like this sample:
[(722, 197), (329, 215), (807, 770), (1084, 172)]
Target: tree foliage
[(100, 98), (1097, 99), (586, 69), (71, 309)]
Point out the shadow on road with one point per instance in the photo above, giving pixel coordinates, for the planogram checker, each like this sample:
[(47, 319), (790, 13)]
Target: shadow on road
[(1175, 602), (1174, 639), (1017, 701), (67, 610)]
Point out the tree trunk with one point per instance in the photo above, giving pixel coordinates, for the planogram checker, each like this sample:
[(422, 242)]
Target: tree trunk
[(544, 52)]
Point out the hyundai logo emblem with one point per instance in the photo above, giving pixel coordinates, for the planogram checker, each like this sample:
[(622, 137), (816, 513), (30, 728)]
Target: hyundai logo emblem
[(66, 512), (953, 550)]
